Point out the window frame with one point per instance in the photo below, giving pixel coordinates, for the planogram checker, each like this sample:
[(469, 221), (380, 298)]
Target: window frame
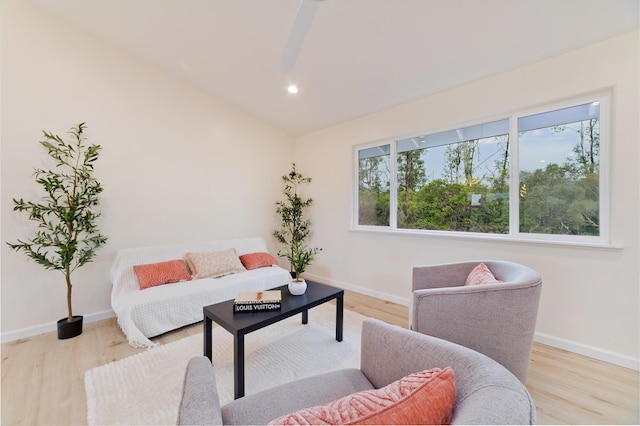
[(514, 234)]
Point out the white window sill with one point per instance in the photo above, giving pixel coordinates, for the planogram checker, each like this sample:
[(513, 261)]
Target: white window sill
[(485, 237)]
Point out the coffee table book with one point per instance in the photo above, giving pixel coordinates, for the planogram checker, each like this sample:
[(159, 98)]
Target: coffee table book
[(258, 301)]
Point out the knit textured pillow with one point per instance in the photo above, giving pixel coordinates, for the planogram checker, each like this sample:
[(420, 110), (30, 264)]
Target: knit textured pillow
[(214, 264), (426, 397), (481, 275), (154, 274), (257, 260)]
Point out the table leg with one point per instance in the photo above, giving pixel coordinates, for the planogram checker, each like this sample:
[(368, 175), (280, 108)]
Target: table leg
[(238, 365), (207, 338), (305, 316), (339, 317)]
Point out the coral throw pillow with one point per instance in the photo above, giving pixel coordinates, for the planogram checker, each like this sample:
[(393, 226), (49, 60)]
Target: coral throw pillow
[(214, 264), (481, 275), (426, 397), (154, 274), (257, 260)]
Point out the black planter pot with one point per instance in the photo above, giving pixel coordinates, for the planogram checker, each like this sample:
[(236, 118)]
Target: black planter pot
[(67, 330)]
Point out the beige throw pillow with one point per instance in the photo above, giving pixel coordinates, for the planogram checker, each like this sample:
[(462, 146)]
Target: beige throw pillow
[(214, 264)]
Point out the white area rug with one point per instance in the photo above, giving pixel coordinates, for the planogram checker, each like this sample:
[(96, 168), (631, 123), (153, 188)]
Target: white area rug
[(145, 388)]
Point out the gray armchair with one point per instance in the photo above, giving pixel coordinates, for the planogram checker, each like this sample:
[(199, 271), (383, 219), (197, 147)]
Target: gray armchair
[(486, 393), (497, 320)]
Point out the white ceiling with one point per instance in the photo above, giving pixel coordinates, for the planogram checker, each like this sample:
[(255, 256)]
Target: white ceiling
[(359, 56)]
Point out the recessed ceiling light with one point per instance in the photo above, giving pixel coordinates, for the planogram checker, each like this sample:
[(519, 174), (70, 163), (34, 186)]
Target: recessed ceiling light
[(292, 88)]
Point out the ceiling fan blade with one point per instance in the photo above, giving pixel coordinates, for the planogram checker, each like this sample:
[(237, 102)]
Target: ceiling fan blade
[(297, 34)]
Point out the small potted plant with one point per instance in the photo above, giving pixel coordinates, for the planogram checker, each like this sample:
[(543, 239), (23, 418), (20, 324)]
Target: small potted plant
[(300, 256), (67, 235), (294, 227)]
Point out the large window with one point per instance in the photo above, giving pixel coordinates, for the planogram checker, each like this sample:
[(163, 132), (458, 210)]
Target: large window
[(536, 175)]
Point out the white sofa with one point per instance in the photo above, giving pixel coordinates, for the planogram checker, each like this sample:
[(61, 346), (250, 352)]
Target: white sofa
[(156, 310)]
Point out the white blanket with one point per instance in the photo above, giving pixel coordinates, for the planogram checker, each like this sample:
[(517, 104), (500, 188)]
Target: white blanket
[(150, 312)]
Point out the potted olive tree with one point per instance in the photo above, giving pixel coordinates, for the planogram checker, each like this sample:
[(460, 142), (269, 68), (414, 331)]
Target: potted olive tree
[(295, 228), (67, 236)]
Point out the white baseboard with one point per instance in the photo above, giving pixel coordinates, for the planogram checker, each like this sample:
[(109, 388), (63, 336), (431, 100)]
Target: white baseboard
[(49, 327), (556, 342), (589, 351), (361, 290)]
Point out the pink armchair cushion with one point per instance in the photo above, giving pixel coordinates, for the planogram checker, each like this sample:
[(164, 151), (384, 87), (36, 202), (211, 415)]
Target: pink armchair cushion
[(426, 397), (481, 275)]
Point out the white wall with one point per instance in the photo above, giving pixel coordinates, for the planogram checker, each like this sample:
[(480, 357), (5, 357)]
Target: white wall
[(180, 166), (176, 166), (590, 299)]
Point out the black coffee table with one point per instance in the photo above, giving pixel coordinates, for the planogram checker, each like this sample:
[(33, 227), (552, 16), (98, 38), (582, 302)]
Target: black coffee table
[(243, 323)]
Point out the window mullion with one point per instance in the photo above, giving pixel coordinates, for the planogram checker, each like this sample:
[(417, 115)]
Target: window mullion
[(514, 179), (393, 186)]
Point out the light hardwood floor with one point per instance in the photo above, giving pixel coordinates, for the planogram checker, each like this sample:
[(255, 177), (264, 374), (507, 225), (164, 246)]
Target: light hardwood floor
[(43, 377)]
